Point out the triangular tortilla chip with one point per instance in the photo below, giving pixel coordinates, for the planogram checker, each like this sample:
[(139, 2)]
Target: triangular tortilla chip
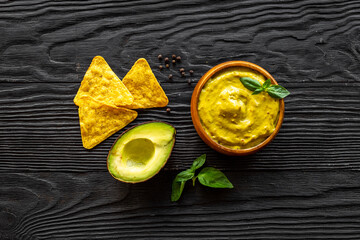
[(144, 87), (102, 84), (99, 121)]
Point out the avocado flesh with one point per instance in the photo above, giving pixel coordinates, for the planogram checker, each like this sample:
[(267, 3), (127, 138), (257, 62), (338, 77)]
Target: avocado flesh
[(141, 152)]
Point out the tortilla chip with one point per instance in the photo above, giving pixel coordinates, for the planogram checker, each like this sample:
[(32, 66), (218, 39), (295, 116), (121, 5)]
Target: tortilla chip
[(144, 87), (99, 121), (102, 84)]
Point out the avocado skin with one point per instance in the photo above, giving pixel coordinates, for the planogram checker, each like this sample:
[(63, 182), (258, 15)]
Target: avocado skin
[(161, 134)]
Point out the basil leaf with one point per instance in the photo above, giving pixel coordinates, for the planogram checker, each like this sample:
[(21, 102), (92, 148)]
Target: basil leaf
[(198, 162), (277, 91), (266, 84), (257, 91), (184, 175), (177, 189), (250, 83), (212, 177)]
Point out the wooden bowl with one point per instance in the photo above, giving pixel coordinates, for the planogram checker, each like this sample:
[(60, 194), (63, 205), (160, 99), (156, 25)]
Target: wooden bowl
[(195, 115)]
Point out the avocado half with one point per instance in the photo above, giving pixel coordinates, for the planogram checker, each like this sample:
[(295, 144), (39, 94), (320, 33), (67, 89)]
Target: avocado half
[(140, 152)]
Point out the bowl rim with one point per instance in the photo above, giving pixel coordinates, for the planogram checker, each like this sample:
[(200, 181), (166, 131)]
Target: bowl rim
[(196, 119)]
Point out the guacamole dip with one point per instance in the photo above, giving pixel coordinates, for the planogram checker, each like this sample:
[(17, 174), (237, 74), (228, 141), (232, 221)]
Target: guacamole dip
[(231, 115)]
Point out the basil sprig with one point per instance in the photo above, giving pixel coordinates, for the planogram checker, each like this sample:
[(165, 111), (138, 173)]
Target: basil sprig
[(275, 91), (208, 176)]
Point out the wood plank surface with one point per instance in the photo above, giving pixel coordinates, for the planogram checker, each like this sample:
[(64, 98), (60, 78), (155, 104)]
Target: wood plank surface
[(263, 205), (45, 133), (300, 41), (304, 185)]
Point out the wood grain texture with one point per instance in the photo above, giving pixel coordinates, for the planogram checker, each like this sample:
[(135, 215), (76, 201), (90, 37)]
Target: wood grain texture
[(304, 185), (39, 130), (263, 205), (300, 41)]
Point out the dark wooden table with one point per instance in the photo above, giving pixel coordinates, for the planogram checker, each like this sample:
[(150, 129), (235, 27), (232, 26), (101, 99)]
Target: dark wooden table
[(304, 185)]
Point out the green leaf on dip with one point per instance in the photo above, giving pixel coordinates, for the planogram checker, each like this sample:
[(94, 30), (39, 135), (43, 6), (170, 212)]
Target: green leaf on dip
[(250, 83), (277, 91), (257, 91), (266, 84)]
